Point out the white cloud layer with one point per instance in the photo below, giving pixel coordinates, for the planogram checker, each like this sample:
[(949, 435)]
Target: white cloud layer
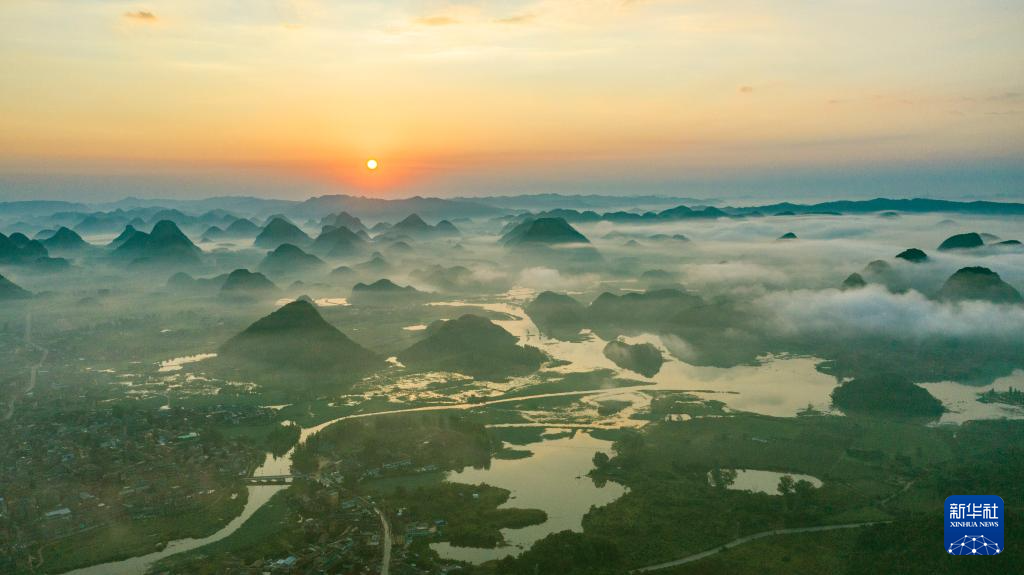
[(875, 310)]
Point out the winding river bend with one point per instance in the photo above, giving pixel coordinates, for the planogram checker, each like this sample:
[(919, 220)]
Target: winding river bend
[(258, 496)]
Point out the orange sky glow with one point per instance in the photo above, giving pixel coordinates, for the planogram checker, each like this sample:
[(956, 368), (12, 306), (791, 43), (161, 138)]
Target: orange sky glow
[(455, 97)]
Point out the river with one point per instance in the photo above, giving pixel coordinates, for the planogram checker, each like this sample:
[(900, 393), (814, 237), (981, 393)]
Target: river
[(779, 386), (258, 496)]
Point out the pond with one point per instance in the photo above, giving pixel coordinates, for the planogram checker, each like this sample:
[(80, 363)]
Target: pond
[(962, 403), (175, 364), (554, 479), (760, 481)]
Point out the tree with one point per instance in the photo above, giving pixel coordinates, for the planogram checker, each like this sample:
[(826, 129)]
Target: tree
[(722, 478), (803, 492), (629, 446), (566, 553), (601, 459), (786, 485)]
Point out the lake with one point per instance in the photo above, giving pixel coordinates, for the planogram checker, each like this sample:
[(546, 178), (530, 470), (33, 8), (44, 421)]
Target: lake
[(554, 479)]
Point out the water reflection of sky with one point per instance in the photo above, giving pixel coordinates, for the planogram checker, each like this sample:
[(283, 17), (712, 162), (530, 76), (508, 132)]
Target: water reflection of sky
[(320, 302), (778, 386), (760, 481), (554, 479), (175, 364), (962, 400), (258, 496)]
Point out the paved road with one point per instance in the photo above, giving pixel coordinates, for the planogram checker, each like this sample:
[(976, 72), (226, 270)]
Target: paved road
[(32, 370), (385, 562), (308, 432), (748, 539)]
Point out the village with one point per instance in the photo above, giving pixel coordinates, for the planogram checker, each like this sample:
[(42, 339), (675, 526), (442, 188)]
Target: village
[(71, 479)]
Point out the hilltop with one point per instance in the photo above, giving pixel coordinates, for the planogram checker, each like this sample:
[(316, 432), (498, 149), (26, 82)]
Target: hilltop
[(297, 338), (544, 231), (643, 358), (11, 291), (125, 235), (241, 228), (338, 241), (290, 259), (412, 225), (853, 281), (65, 240), (384, 291), (165, 244), (978, 283), (415, 227), (561, 316), (913, 255), (962, 242), (892, 396), (640, 309), (557, 314), (280, 231), (245, 284), (343, 220), (17, 249), (474, 346), (448, 279)]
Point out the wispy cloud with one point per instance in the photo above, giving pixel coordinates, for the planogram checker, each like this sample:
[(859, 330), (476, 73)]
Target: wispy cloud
[(1006, 97), (437, 21), (141, 16), (516, 19), (745, 89)]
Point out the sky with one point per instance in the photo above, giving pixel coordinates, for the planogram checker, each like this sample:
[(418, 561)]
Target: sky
[(101, 99)]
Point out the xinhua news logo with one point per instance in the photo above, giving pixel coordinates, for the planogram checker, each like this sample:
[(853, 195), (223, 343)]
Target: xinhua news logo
[(974, 525)]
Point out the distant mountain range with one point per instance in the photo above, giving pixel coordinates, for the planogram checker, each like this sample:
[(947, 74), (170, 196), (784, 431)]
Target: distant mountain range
[(315, 207), (891, 208), (916, 205), (200, 215), (585, 202)]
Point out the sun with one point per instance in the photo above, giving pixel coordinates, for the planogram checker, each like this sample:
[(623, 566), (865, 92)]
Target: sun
[(371, 164)]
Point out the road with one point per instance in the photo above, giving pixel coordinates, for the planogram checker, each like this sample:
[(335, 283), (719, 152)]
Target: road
[(308, 432), (32, 370), (385, 562), (748, 539)]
